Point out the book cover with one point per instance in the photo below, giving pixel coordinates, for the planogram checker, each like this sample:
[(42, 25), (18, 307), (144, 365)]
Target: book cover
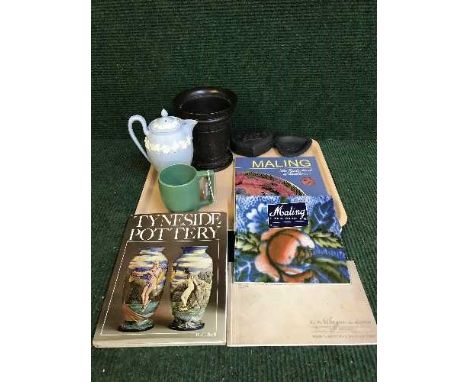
[(262, 314), (278, 176), (168, 286), (295, 239)]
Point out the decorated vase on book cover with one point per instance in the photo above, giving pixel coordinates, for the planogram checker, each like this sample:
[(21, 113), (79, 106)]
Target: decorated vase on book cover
[(192, 275), (143, 288)]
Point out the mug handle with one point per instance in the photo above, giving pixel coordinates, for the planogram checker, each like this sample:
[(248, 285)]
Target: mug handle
[(210, 175), (138, 118)]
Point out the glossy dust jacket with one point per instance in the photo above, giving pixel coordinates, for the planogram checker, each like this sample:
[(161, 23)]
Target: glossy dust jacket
[(159, 262)]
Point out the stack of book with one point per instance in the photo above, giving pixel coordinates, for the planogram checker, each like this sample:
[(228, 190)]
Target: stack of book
[(286, 226), (290, 282)]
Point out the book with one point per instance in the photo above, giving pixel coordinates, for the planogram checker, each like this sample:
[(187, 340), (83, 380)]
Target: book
[(159, 280), (294, 239), (262, 314), (278, 176)]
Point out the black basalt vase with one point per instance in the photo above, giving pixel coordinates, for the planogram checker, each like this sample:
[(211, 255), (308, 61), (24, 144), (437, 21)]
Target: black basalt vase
[(212, 107)]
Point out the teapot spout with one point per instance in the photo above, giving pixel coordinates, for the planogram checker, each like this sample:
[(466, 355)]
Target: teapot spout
[(188, 125)]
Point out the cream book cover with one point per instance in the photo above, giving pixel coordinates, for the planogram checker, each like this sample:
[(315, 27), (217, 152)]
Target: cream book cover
[(265, 314)]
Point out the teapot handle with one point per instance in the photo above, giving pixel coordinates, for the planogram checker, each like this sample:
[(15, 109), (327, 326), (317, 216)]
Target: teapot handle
[(138, 118)]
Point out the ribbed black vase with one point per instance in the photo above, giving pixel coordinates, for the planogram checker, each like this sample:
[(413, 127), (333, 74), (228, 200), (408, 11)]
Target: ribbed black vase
[(212, 107)]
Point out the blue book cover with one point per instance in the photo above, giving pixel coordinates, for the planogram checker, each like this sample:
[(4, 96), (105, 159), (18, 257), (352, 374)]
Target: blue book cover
[(278, 176), (294, 239)]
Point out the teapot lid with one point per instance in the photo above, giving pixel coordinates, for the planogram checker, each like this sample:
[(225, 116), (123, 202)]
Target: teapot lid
[(165, 123)]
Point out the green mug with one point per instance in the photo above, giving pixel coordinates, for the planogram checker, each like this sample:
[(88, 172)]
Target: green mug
[(179, 185)]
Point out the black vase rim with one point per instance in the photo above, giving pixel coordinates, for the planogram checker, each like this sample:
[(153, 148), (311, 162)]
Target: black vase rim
[(201, 92)]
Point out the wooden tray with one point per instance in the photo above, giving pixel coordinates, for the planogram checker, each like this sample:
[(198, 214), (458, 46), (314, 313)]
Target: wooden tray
[(150, 199)]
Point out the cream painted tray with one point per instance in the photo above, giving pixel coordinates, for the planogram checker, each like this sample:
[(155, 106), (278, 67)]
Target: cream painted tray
[(150, 199)]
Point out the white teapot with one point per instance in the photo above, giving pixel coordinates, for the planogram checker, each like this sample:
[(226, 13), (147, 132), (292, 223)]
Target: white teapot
[(168, 140)]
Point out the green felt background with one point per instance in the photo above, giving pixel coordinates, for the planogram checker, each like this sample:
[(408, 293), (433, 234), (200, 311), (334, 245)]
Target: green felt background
[(296, 65), (305, 67)]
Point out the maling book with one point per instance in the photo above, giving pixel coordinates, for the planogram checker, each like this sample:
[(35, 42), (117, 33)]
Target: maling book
[(295, 239), (280, 176), (168, 286)]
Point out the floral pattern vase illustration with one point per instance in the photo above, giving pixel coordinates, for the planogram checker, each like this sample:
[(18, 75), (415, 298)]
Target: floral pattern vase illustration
[(143, 289), (191, 280)]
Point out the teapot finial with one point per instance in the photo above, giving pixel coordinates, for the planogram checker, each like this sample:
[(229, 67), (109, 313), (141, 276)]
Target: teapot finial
[(164, 113)]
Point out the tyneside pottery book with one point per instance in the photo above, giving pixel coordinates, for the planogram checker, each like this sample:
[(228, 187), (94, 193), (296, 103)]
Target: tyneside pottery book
[(295, 239), (279, 176), (168, 286)]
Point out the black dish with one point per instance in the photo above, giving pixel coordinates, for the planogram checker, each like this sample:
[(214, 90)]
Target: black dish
[(292, 145), (251, 143)]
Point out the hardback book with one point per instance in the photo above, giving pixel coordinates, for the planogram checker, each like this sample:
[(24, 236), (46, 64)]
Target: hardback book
[(168, 286), (294, 239), (280, 176), (262, 314)]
